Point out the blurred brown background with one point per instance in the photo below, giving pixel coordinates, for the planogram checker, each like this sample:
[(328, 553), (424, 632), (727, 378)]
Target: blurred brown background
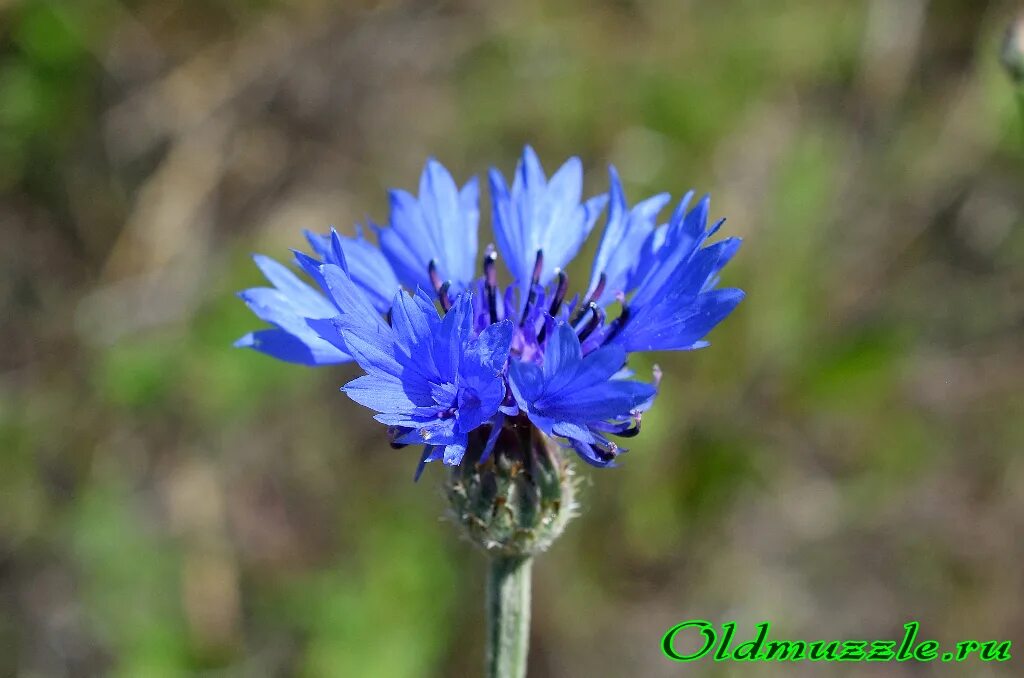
[(846, 456)]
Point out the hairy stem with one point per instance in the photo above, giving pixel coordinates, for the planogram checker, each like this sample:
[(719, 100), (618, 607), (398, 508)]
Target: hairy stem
[(508, 615)]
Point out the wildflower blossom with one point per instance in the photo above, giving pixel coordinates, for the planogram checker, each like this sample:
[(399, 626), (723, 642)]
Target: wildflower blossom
[(457, 362)]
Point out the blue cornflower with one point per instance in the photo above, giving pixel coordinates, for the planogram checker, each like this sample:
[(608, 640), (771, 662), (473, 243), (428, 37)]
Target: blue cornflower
[(455, 362)]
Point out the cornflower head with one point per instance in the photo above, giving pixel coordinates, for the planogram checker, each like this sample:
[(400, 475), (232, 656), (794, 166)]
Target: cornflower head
[(483, 375)]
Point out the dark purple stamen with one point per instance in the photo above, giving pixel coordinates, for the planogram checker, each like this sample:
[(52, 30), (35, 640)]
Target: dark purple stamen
[(538, 266), (509, 399), (531, 298), (491, 282), (630, 432), (596, 318), (490, 266), (598, 291), (441, 288), (609, 454), (442, 295), (435, 277), (560, 289), (619, 323), (395, 432), (625, 429)]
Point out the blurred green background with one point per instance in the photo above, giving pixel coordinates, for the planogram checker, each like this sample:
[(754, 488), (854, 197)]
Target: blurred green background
[(846, 456)]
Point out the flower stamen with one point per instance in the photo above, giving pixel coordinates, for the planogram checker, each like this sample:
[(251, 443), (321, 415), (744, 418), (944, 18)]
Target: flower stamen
[(619, 322), (630, 432), (442, 296), (560, 290), (598, 291), (596, 318), (609, 454), (394, 433), (491, 282), (435, 277), (531, 299)]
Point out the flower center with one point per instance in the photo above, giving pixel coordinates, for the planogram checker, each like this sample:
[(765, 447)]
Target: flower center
[(587, 318)]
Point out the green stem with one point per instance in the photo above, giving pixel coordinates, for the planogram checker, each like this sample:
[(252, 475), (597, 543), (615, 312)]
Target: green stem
[(508, 616)]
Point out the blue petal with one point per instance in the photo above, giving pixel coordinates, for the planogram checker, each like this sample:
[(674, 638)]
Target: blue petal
[(440, 225), (609, 400), (682, 328), (570, 393), (414, 333), (273, 307), (492, 346), (478, 399), (426, 374), (572, 430), (561, 358), (379, 393), (561, 225), (469, 204), (619, 255), (290, 305), (686, 233), (403, 241), (496, 425), (304, 299), (729, 248), (586, 453), (350, 299), (367, 265), (326, 329), (537, 215), (426, 304), (430, 453), (284, 346), (451, 337), (526, 381), (599, 366), (454, 230), (375, 352), (509, 228), (311, 267), (436, 431), (453, 453), (682, 312)]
